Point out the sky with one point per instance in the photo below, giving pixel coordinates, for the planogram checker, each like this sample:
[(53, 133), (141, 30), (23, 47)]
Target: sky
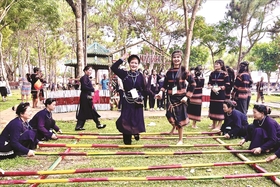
[(213, 10)]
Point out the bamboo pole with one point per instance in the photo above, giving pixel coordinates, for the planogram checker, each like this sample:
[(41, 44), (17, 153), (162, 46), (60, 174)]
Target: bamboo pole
[(142, 153), (117, 169), (130, 146), (144, 137), (142, 134)]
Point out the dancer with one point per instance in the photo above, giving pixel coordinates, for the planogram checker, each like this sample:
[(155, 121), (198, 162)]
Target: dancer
[(44, 123), (195, 102), (177, 93), (131, 120), (231, 76), (86, 109), (235, 123), (218, 82), (18, 137), (264, 133), (242, 86)]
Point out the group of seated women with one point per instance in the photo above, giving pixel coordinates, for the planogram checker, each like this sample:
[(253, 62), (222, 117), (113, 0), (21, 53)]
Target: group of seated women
[(263, 133), (21, 136)]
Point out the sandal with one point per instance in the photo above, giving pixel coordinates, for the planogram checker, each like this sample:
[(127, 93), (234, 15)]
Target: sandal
[(136, 137), (100, 126)]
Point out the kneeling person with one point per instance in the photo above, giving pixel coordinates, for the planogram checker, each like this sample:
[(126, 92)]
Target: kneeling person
[(44, 123), (235, 123)]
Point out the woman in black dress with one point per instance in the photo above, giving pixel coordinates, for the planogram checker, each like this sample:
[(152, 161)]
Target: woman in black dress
[(218, 83), (177, 93), (86, 109), (195, 102), (18, 137), (131, 121)]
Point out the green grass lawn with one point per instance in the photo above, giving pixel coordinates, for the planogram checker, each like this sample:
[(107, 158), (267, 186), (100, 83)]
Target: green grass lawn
[(76, 162), (12, 100)]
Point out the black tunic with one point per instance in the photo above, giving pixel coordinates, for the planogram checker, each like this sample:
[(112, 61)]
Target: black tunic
[(86, 110)]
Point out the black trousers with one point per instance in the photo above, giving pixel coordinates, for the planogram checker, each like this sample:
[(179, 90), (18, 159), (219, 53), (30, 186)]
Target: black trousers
[(127, 139), (81, 122)]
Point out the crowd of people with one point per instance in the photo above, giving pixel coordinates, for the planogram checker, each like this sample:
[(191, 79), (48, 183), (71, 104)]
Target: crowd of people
[(178, 91)]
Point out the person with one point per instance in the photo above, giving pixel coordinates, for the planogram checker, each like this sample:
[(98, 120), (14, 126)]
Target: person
[(131, 121), (43, 122), (70, 83), (86, 110), (146, 93), (260, 86), (114, 87), (35, 91), (177, 93), (235, 122), (195, 102), (152, 88), (218, 83), (18, 137), (25, 87), (161, 102), (3, 89), (231, 76), (264, 133), (104, 82), (242, 86)]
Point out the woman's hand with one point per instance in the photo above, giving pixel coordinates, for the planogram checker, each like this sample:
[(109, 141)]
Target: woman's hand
[(227, 136), (242, 142), (159, 95), (216, 89), (271, 158), (59, 131), (31, 153), (125, 56), (257, 150), (184, 99), (54, 137)]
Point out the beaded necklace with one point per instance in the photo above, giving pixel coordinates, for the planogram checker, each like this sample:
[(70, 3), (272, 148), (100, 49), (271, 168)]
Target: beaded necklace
[(47, 114), (262, 121)]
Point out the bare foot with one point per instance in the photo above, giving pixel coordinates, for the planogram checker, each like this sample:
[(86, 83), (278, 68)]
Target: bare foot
[(172, 131), (180, 143), (216, 130), (194, 127)]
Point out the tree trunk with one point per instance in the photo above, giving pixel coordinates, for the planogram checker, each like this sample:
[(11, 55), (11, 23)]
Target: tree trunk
[(77, 10), (39, 51), (240, 48), (3, 72), (84, 26), (189, 29)]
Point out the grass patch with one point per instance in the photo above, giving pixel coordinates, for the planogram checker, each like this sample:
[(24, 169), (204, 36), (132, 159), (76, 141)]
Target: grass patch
[(71, 162), (12, 100)]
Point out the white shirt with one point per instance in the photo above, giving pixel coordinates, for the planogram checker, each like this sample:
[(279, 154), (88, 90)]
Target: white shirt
[(3, 84)]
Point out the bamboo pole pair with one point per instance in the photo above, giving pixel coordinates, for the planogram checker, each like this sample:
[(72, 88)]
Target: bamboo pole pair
[(148, 178), (117, 169)]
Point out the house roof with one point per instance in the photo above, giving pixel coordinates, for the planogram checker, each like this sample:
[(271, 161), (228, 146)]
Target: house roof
[(96, 61), (97, 55), (97, 49)]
